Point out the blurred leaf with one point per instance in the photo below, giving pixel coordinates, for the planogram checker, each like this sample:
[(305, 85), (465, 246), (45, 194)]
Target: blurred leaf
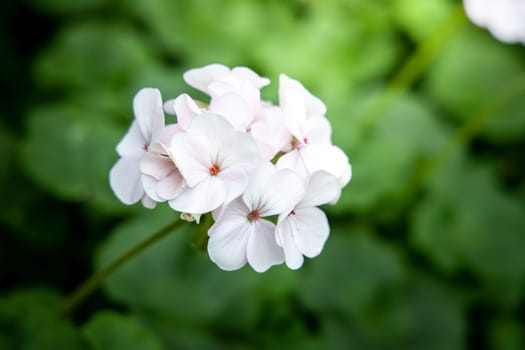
[(422, 315), (386, 158), (413, 16), (467, 221), (28, 320), (354, 269), (471, 74), (70, 154), (63, 7), (94, 55), (507, 334), (109, 330)]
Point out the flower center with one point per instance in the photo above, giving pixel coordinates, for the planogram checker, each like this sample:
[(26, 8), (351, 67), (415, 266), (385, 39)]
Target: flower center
[(214, 170), (305, 140), (253, 216), (145, 147), (292, 213)]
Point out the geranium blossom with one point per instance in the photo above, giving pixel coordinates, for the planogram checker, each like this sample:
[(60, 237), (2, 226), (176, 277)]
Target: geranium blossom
[(505, 19), (260, 170)]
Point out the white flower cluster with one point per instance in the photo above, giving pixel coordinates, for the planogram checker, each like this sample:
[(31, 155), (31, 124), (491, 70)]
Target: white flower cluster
[(240, 158), (505, 19)]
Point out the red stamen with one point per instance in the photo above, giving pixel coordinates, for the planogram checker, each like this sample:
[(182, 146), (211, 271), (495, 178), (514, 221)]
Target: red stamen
[(145, 147), (253, 216), (292, 212), (214, 170), (305, 140)]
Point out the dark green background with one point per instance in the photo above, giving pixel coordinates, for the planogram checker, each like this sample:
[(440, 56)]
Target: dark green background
[(427, 242)]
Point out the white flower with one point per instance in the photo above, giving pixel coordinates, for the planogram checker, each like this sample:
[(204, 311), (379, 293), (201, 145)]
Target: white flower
[(505, 19), (304, 230), (215, 161), (241, 234), (125, 176), (270, 133)]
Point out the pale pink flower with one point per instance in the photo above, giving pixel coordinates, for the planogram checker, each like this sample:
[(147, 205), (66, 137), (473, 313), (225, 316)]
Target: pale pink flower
[(505, 19), (215, 161), (304, 229), (241, 234), (125, 176)]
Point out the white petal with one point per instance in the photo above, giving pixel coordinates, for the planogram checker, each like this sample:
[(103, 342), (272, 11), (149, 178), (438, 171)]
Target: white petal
[(235, 181), (321, 188), (263, 251), (148, 202), (156, 166), (185, 108), (253, 193), (292, 160), (234, 108), (206, 196), (125, 180), (133, 144), (328, 158), (170, 187), (150, 187), (191, 154), (229, 236), (147, 106), (311, 230), (314, 105), (284, 235), (317, 130), (282, 191), (200, 78), (238, 149), (250, 76)]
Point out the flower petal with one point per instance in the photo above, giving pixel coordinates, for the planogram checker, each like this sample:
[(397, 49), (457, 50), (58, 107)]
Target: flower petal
[(169, 187), (311, 230), (263, 251), (282, 191), (147, 106), (285, 238), (200, 78), (133, 144), (253, 193), (234, 108), (206, 196), (191, 153), (185, 108), (156, 166), (328, 158), (148, 202), (229, 236), (321, 188), (125, 180)]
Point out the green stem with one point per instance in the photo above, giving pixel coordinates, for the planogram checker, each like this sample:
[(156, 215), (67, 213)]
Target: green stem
[(93, 282)]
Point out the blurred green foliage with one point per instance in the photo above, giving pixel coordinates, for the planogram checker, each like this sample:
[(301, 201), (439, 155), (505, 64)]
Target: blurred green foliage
[(428, 240)]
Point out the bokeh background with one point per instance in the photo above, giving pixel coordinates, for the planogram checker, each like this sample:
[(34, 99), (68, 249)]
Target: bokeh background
[(427, 246)]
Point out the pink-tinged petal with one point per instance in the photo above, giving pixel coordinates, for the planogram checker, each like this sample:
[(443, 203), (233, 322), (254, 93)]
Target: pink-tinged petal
[(321, 188), (282, 191), (205, 197), (271, 134), (148, 202), (166, 136), (156, 166), (263, 251), (229, 236), (133, 144), (317, 130), (150, 187), (328, 158), (125, 180), (314, 105), (200, 78), (170, 187), (292, 160), (253, 193), (246, 74), (185, 108), (147, 106), (284, 235), (294, 112), (190, 152), (234, 108), (311, 230), (238, 149), (235, 181)]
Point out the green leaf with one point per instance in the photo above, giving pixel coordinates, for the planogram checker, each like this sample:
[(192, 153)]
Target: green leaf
[(384, 160), (109, 330), (70, 154), (466, 221), (353, 269), (472, 74), (28, 320)]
